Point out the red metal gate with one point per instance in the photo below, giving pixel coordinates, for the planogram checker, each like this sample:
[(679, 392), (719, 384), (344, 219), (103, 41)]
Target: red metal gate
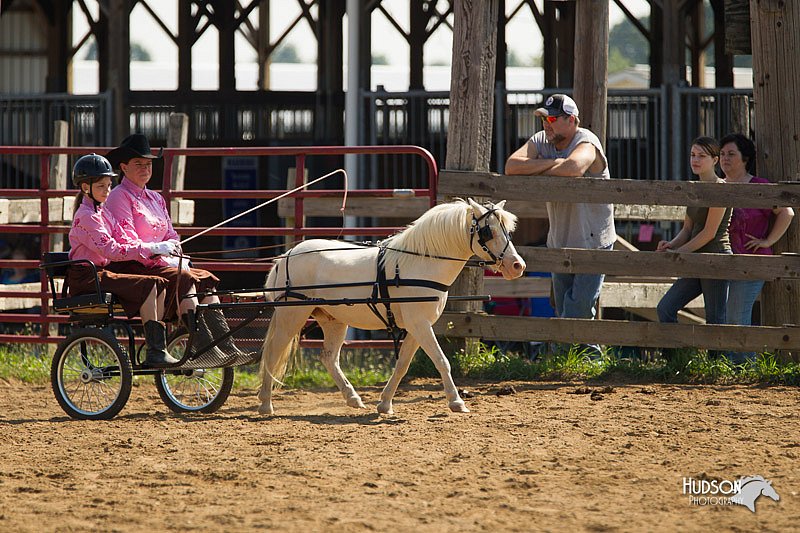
[(45, 229)]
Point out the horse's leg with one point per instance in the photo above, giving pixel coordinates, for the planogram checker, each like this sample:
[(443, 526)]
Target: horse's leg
[(283, 327), (424, 334), (334, 334), (404, 358)]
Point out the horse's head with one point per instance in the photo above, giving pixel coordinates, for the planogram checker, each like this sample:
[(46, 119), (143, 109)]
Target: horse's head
[(769, 491), (490, 238)]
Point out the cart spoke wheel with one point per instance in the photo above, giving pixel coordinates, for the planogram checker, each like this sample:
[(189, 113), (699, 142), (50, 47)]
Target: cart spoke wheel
[(193, 390), (91, 375)]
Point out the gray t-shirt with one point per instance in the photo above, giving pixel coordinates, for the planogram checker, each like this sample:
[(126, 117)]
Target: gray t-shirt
[(578, 225)]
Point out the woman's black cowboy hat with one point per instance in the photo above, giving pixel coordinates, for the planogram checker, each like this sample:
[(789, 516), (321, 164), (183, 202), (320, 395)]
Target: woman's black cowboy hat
[(135, 145)]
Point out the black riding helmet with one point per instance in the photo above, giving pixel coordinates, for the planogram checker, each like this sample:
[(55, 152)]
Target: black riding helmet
[(91, 168)]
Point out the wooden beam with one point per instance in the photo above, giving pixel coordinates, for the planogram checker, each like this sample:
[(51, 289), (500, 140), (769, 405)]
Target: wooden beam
[(29, 210), (10, 303), (119, 53), (643, 294), (639, 295), (591, 65), (469, 142), (58, 178), (614, 294), (737, 27), (688, 265), (776, 67), (618, 333), (412, 208), (177, 137), (650, 314), (563, 189), (524, 287)]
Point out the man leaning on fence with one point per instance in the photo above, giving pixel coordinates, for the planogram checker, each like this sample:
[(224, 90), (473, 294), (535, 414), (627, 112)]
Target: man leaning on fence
[(563, 148)]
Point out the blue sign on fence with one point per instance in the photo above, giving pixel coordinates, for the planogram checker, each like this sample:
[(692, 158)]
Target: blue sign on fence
[(240, 173)]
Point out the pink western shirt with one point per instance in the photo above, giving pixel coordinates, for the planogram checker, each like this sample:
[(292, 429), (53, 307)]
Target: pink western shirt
[(750, 221), (91, 237), (141, 216)]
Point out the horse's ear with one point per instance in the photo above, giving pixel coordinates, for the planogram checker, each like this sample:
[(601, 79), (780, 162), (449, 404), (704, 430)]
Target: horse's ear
[(500, 204), (476, 207)]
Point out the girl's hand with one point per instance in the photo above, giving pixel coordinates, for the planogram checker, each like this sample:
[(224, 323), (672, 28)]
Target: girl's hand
[(754, 244), (663, 246)]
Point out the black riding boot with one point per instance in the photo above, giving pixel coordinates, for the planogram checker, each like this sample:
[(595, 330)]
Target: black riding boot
[(155, 334), (203, 338), (218, 327)]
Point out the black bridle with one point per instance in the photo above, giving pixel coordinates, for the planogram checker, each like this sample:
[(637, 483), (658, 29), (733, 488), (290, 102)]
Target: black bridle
[(485, 234)]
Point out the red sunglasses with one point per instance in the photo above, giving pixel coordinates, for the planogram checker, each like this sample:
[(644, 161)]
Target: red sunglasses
[(549, 119)]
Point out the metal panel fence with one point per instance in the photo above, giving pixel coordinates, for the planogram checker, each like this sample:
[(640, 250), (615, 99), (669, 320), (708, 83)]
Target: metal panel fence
[(648, 131), (27, 120), (647, 136)]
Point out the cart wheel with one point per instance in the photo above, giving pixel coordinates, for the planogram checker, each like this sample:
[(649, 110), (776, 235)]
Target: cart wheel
[(91, 375), (192, 390)]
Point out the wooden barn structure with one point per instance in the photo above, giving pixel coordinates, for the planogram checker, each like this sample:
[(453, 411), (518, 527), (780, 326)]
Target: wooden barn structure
[(39, 45)]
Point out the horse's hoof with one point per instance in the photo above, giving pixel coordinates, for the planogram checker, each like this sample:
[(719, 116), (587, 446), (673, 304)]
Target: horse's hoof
[(385, 409), (266, 409), (356, 402), (459, 407)]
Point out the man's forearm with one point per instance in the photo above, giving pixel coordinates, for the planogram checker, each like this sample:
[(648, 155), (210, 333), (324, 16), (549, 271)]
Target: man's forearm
[(528, 167)]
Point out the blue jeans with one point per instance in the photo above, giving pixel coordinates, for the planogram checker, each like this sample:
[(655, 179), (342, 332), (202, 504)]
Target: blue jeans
[(576, 294), (683, 291), (741, 297)]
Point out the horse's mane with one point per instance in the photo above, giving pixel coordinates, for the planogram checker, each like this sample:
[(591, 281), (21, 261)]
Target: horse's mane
[(443, 230)]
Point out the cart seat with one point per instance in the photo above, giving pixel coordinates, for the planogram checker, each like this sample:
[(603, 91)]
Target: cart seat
[(55, 265)]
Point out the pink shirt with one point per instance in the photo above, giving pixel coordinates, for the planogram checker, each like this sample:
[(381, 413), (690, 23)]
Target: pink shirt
[(91, 238), (141, 215), (752, 221)]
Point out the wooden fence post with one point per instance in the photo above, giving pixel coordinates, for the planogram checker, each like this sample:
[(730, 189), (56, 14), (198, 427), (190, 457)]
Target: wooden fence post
[(469, 137), (775, 32), (591, 65), (178, 137), (740, 114), (58, 177)]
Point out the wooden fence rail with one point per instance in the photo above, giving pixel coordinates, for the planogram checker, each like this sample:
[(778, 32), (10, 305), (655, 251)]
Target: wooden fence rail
[(643, 276)]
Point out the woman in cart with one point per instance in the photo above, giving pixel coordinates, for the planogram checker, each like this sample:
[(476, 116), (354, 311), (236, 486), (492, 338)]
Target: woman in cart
[(141, 215), (91, 239)]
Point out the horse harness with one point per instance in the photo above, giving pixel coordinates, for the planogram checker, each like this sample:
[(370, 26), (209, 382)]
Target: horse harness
[(380, 288)]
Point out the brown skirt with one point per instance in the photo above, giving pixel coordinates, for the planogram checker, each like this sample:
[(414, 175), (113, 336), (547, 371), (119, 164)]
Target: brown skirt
[(130, 290), (201, 280)]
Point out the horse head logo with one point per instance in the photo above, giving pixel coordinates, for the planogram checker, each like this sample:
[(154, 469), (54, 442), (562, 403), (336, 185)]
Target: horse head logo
[(751, 488)]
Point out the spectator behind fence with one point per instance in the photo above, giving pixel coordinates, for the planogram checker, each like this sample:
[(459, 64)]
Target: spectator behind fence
[(91, 238), (10, 276), (563, 148), (752, 230), (705, 230), (142, 216)]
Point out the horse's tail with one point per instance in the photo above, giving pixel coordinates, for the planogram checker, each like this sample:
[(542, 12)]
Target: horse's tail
[(274, 362)]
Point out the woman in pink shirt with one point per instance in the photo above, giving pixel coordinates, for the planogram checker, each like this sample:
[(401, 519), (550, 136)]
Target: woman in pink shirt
[(142, 216), (91, 239), (752, 230)]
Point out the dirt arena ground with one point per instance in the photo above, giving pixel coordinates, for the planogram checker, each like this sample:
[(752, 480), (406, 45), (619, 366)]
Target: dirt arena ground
[(542, 458)]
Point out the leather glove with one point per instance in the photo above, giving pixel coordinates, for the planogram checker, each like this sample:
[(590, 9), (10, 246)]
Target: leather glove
[(173, 261), (160, 248)]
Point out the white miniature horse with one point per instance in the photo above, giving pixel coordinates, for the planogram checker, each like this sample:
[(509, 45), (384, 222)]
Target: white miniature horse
[(435, 247)]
